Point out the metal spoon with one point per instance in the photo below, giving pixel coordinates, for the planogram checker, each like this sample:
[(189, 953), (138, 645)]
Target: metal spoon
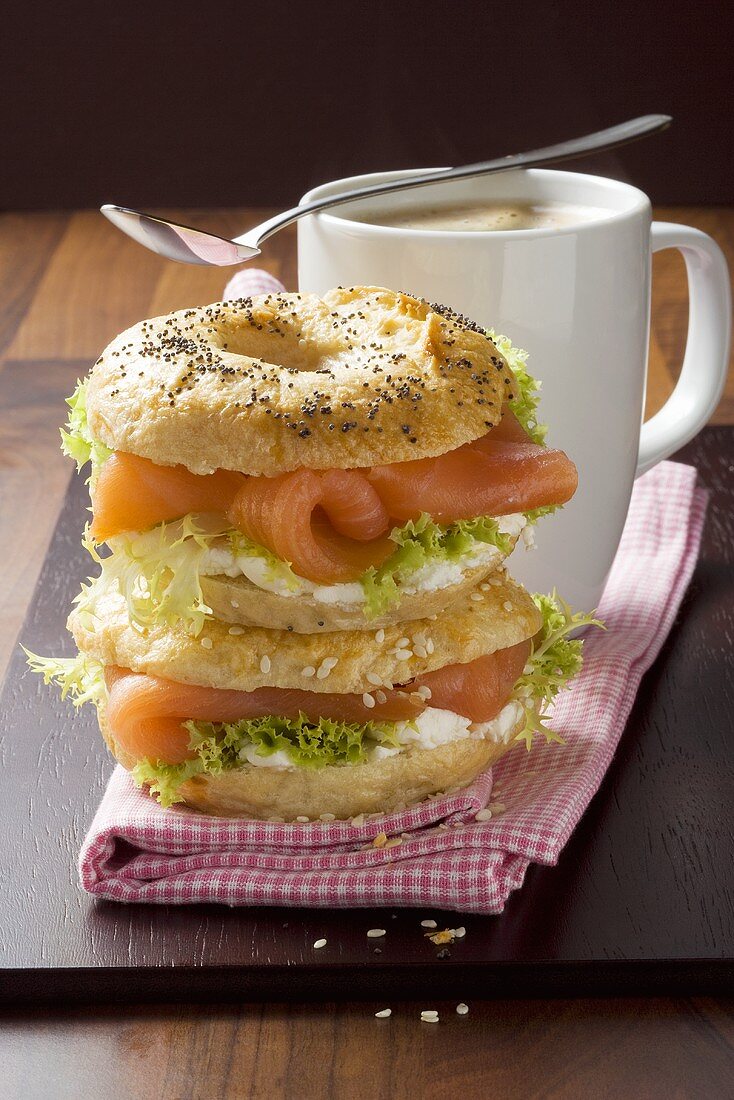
[(193, 246)]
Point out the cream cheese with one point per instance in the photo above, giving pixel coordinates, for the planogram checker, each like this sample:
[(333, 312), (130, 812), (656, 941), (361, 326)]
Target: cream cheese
[(222, 560)]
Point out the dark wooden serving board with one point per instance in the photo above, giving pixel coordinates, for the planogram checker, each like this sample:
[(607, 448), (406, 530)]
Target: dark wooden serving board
[(641, 900)]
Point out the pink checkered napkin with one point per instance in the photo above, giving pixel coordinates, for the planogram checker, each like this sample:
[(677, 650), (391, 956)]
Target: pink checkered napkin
[(440, 855)]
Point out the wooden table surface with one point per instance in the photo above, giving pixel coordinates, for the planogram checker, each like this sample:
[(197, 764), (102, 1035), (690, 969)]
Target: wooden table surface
[(68, 284)]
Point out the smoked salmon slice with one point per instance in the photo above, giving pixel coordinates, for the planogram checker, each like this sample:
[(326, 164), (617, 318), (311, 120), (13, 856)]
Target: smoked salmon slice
[(483, 478), (332, 525), (326, 524), (145, 713), (133, 494)]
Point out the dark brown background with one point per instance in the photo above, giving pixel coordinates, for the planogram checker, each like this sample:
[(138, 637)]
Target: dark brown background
[(241, 103)]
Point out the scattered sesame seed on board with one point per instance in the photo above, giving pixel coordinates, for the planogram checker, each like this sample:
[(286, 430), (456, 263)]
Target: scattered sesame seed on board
[(206, 643), (459, 932), (319, 943), (483, 815), (462, 1008), (429, 1016), (376, 933), (385, 1012), (429, 924)]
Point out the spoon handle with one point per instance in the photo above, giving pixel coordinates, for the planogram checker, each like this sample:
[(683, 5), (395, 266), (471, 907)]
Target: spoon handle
[(564, 150)]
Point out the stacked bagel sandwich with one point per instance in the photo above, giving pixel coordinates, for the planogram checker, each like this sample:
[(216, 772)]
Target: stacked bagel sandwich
[(301, 507)]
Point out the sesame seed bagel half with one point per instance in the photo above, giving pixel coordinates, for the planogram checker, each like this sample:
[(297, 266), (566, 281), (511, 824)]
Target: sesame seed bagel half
[(278, 382), (344, 790), (497, 618)]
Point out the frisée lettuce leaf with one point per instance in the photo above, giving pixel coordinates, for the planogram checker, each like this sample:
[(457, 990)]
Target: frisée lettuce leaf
[(423, 542), (77, 441), (554, 660), (525, 404), (222, 746)]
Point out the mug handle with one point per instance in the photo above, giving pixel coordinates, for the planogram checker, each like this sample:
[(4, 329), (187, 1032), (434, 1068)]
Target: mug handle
[(706, 359)]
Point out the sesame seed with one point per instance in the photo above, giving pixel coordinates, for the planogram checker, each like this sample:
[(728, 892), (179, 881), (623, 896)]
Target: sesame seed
[(368, 701), (483, 815), (385, 1012), (375, 933), (380, 637), (309, 670), (429, 924), (403, 643), (429, 1016), (358, 820), (403, 654), (265, 664), (485, 587), (236, 630), (327, 817), (374, 679), (380, 840), (477, 597), (381, 697), (206, 643), (461, 1009), (420, 651), (234, 603), (459, 932), (302, 819), (507, 605), (430, 646), (319, 943)]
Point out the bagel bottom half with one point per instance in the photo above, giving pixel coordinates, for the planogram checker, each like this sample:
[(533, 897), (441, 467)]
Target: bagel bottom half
[(344, 790)]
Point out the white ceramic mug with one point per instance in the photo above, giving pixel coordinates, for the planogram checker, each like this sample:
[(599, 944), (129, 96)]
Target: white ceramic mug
[(577, 298)]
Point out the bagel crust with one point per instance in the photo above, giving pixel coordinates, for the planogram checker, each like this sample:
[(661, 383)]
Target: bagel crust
[(345, 790), (502, 615), (274, 383)]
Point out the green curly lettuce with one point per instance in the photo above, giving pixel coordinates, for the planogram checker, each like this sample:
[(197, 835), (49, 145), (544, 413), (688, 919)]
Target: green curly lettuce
[(221, 746), (525, 404), (77, 441), (159, 574), (423, 542), (554, 660), (80, 678)]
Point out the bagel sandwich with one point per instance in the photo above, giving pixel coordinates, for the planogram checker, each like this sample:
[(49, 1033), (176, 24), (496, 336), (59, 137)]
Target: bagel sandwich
[(309, 464), (284, 726)]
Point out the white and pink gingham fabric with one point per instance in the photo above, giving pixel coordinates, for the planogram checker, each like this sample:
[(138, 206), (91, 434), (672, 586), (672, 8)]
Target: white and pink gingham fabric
[(135, 851)]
